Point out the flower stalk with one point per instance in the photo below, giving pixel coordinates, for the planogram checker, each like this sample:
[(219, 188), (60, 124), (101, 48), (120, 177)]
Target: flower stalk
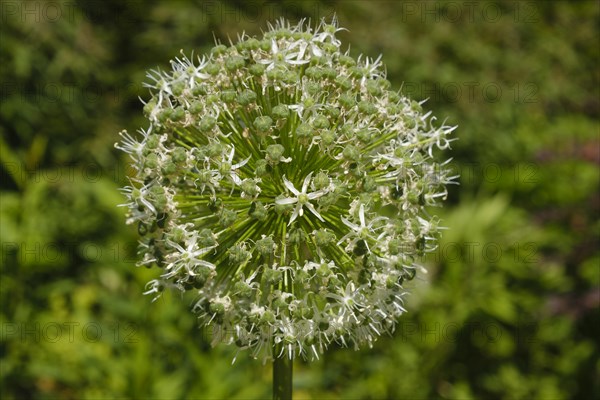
[(282, 377)]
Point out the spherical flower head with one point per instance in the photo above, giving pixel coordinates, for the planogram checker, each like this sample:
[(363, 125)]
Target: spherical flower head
[(284, 184)]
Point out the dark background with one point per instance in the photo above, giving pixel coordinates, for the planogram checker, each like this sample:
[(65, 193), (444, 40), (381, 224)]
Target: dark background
[(510, 307)]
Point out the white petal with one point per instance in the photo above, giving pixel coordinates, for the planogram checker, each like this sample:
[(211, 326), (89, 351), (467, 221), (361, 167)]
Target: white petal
[(231, 154), (361, 215), (303, 46), (290, 186), (316, 195), (354, 227), (312, 209), (148, 204), (206, 264), (203, 251), (287, 200), (294, 216), (344, 238), (306, 182), (241, 163), (298, 62), (236, 179), (176, 245)]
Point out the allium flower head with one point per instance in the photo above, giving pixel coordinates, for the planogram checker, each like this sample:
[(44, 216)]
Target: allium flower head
[(285, 184)]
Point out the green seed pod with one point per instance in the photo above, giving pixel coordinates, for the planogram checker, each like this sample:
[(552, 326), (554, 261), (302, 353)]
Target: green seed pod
[(234, 63), (247, 97), (263, 124), (207, 124), (321, 122), (228, 96), (265, 246), (257, 69), (280, 111), (274, 153), (227, 217)]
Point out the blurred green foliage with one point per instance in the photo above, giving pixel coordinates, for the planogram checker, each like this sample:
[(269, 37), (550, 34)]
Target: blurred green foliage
[(511, 304)]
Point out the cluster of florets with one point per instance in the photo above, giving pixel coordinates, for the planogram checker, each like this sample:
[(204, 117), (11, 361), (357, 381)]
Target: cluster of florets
[(286, 185)]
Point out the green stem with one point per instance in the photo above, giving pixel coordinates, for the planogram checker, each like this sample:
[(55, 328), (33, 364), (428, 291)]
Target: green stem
[(282, 376)]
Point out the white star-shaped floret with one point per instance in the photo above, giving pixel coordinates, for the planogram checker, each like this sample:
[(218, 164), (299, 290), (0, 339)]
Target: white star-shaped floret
[(281, 55), (302, 198), (188, 257), (363, 231), (187, 68), (227, 168)]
